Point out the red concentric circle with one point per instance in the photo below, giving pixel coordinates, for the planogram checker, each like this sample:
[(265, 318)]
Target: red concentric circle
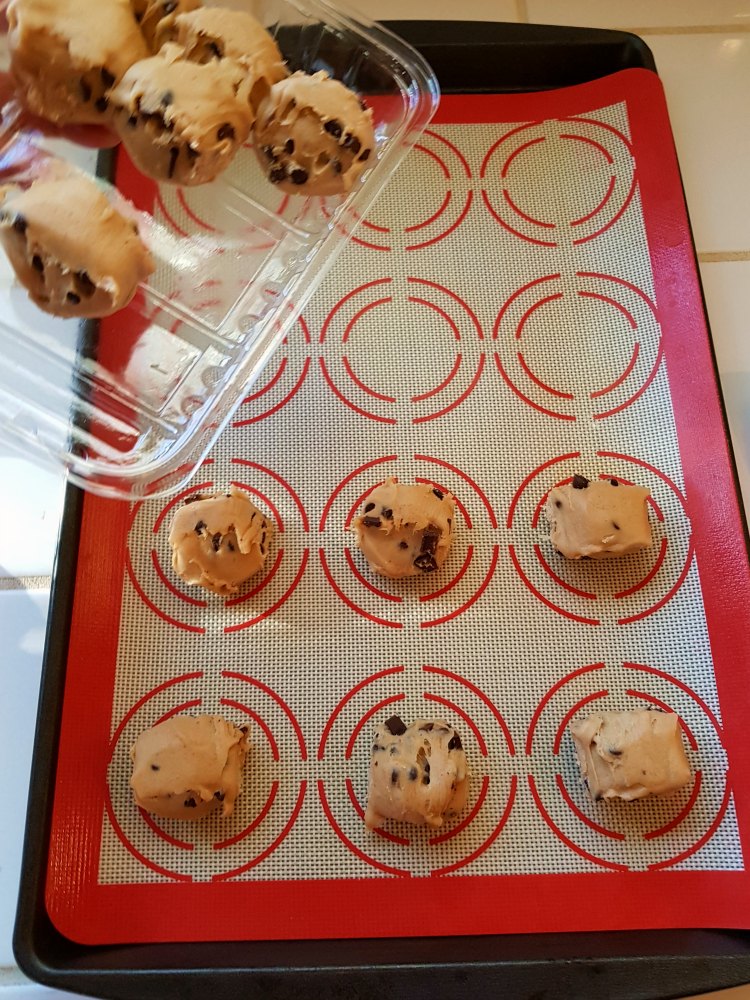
[(610, 591), (651, 833), (214, 848), (559, 182), (425, 601), (399, 848), (194, 610), (377, 370)]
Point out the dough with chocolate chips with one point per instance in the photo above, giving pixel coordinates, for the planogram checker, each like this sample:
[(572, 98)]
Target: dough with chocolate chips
[(152, 15), (75, 254), (313, 136), (418, 773), (628, 755), (404, 529), (186, 766), (182, 121), (598, 519), (215, 34), (65, 55), (219, 541)]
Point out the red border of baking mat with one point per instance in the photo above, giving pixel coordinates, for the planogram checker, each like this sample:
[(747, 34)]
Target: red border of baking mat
[(88, 912)]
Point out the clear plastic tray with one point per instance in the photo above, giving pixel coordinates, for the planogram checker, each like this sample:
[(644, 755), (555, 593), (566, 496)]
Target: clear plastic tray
[(131, 405)]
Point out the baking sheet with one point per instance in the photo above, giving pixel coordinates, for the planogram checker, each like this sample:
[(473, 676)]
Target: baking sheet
[(521, 306)]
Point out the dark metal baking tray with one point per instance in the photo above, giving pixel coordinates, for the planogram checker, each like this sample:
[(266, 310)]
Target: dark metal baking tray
[(469, 57)]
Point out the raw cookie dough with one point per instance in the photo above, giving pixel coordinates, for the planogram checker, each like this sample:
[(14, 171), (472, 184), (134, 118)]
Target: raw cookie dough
[(418, 773), (66, 55), (186, 766), (405, 530), (598, 518), (75, 254), (628, 755), (217, 33), (181, 121), (313, 135), (151, 14), (219, 541)]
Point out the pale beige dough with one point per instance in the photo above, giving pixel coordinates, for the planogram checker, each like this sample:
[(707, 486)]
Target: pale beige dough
[(219, 541), (418, 773), (182, 121), (152, 14), (599, 518), (186, 766), (405, 529), (628, 755), (67, 54), (75, 254), (215, 34), (312, 135)]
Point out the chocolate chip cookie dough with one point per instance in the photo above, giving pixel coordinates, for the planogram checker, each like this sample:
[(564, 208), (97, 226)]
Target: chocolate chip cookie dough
[(404, 529), (187, 766), (182, 121), (75, 254), (629, 755), (219, 541), (313, 135), (418, 773), (599, 518), (214, 34), (66, 55)]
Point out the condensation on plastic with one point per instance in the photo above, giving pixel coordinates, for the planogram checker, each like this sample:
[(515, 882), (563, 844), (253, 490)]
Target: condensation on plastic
[(130, 406)]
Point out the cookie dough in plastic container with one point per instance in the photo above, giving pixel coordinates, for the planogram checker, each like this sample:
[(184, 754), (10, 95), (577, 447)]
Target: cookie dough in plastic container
[(130, 405)]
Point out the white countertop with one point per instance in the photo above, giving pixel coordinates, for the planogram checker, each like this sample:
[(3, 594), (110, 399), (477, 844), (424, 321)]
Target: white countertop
[(702, 51)]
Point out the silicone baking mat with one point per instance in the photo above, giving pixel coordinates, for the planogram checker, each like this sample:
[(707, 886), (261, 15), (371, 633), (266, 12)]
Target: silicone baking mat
[(522, 305)]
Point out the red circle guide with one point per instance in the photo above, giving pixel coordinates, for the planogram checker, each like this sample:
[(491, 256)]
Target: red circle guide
[(217, 848), (549, 336), (608, 591), (195, 610), (429, 692), (375, 369), (558, 182), (424, 601), (654, 833)]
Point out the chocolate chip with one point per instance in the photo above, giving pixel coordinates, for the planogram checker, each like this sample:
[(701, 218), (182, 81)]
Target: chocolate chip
[(85, 90), (174, 152), (277, 175), (614, 752), (387, 513), (376, 747), (438, 493), (190, 803), (580, 482), (214, 49), (426, 562), (289, 146), (413, 774), (138, 17), (167, 98), (426, 779), (108, 78), (101, 104), (403, 545), (336, 166), (225, 131), (430, 539), (192, 154), (369, 507), (299, 176), (84, 284), (216, 541), (194, 498), (613, 482), (219, 795), (37, 263), (454, 743), (616, 526), (395, 725), (333, 128), (154, 767), (133, 121), (346, 140), (558, 504), (169, 6), (269, 153), (356, 145), (394, 776), (73, 298), (362, 104), (365, 155), (230, 546), (427, 727), (263, 538), (199, 527), (371, 522), (20, 224)]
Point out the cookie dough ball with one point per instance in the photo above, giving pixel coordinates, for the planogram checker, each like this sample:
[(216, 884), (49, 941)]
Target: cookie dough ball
[(405, 530), (186, 766), (628, 755), (312, 135), (219, 541), (150, 14), (418, 773), (65, 55), (75, 254), (598, 519), (181, 121), (211, 34)]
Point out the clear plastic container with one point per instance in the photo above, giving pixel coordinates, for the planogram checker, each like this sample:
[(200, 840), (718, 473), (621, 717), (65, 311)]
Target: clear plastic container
[(131, 404)]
